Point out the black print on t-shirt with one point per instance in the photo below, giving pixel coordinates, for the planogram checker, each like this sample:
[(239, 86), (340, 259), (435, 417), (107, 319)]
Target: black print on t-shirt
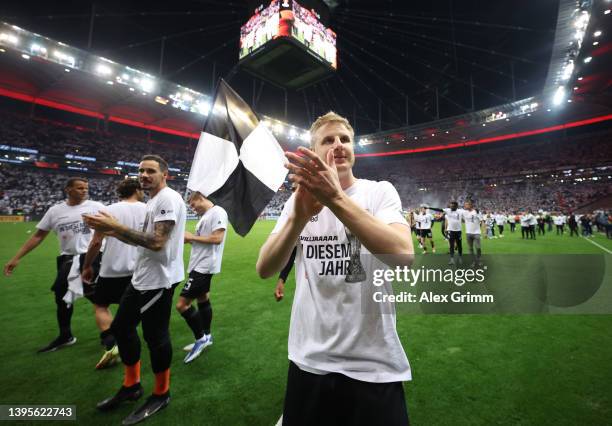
[(77, 227), (335, 259)]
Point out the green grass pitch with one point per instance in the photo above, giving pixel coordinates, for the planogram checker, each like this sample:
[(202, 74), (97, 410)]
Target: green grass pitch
[(467, 369)]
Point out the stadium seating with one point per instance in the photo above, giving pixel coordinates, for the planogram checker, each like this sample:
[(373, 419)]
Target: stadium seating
[(558, 173)]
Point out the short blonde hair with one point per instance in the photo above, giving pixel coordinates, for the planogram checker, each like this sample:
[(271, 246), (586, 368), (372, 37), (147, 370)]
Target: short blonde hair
[(330, 117)]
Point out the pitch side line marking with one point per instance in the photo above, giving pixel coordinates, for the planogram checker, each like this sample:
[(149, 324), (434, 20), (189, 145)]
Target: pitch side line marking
[(598, 245)]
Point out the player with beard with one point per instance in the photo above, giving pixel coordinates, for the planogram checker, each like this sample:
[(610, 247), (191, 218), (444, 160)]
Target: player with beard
[(116, 268), (148, 298), (346, 360), (66, 221)]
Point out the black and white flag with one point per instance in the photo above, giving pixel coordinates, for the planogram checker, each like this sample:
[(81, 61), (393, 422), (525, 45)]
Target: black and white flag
[(238, 163)]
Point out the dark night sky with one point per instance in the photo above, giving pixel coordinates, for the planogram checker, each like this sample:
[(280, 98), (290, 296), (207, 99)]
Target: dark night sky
[(387, 49)]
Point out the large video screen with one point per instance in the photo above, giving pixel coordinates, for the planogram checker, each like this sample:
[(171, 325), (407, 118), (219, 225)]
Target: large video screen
[(260, 29), (309, 31), (286, 18)]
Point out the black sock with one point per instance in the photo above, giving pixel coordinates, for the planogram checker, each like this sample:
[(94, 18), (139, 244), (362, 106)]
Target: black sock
[(64, 315), (194, 322), (107, 339), (205, 310)]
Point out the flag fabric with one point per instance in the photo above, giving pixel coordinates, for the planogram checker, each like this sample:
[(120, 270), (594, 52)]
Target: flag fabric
[(238, 163)]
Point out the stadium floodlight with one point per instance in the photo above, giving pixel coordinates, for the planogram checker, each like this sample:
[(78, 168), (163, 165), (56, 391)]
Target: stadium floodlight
[(24, 56), (579, 78), (597, 33), (587, 59), (125, 77), (66, 69), (103, 69), (110, 83), (582, 21), (292, 133), (203, 108), (37, 48), (64, 58), (595, 43), (146, 85), (559, 95), (132, 89), (305, 136), (278, 128), (9, 38), (568, 70), (607, 12), (187, 97)]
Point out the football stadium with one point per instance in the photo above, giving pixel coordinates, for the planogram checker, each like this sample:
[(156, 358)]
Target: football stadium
[(311, 212)]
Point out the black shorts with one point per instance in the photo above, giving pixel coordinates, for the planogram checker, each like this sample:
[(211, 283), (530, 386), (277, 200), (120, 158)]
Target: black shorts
[(109, 290), (64, 264), (426, 233), (196, 285), (335, 399)]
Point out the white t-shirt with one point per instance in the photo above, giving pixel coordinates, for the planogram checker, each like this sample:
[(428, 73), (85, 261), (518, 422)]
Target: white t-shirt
[(533, 220), (500, 219), (559, 220), (472, 221), (119, 258), (333, 328), (511, 219), (67, 223), (453, 219), (161, 269), (425, 220), (206, 258), (526, 219)]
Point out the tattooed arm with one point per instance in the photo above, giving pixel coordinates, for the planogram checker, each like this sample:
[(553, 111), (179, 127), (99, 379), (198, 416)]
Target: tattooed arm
[(155, 241)]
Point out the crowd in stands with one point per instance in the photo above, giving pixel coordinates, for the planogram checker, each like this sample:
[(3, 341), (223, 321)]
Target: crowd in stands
[(557, 174), (551, 175), (57, 139)]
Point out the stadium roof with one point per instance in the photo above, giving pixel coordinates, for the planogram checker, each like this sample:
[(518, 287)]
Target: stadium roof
[(390, 56)]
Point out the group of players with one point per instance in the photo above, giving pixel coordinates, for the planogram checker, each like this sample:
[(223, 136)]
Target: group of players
[(346, 364), (476, 224), (133, 258)]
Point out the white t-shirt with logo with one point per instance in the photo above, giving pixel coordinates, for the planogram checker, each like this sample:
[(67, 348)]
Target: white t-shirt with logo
[(453, 219), (206, 258), (333, 328), (119, 258), (161, 269), (472, 221), (425, 220), (67, 223)]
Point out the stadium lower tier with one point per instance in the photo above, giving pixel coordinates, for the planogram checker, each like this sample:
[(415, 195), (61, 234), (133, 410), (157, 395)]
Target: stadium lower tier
[(30, 191)]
